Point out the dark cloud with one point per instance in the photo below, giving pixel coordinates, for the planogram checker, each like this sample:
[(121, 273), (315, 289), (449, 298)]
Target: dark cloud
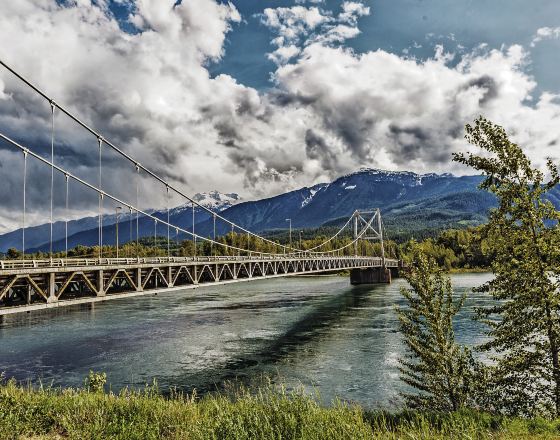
[(284, 99), (353, 122), (414, 142), (488, 85), (317, 148)]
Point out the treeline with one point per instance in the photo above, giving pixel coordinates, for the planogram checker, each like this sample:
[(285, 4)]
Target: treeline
[(452, 249), (231, 244)]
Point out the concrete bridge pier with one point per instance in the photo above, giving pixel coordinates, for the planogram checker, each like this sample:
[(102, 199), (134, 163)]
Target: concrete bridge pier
[(52, 298), (100, 283), (138, 276), (370, 275)]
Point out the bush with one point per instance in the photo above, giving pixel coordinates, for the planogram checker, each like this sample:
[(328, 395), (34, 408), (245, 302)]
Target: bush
[(95, 382)]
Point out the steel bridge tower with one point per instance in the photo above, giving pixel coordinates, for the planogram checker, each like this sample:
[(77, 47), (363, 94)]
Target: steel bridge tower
[(371, 230)]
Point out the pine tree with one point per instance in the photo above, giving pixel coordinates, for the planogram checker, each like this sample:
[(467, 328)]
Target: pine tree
[(525, 237), (440, 369)]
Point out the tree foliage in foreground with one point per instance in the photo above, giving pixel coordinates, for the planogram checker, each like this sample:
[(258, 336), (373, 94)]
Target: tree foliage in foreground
[(524, 234), (440, 369)]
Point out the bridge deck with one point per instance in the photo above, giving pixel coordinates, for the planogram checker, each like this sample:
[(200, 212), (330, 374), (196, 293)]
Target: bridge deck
[(33, 284)]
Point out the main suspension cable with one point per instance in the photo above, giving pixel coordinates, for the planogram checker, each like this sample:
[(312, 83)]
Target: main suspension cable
[(130, 158)]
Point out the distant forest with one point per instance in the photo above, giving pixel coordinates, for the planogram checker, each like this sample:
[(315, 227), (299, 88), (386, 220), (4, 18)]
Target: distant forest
[(452, 249)]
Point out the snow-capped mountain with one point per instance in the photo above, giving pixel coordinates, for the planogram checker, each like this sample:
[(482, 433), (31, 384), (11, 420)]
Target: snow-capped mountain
[(409, 201), (312, 191), (406, 178), (364, 189), (214, 200), (217, 201), (82, 231)]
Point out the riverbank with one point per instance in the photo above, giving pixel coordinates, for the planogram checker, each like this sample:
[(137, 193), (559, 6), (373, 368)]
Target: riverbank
[(80, 414), (459, 270), (452, 271)]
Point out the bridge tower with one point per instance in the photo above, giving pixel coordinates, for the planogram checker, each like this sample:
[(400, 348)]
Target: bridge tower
[(371, 230)]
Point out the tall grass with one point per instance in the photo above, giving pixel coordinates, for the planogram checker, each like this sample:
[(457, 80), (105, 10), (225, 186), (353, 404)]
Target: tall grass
[(49, 413)]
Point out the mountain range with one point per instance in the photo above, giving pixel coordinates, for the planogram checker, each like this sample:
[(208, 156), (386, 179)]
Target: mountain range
[(412, 205), (85, 230)]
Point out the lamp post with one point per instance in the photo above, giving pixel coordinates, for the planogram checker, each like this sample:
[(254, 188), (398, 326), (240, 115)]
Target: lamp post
[(155, 234), (290, 221), (300, 232), (117, 209)]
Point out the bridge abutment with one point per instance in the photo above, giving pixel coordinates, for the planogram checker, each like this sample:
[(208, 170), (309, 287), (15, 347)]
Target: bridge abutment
[(370, 275)]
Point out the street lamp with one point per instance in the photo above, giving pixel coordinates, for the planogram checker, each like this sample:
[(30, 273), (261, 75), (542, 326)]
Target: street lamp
[(117, 209), (155, 233), (290, 220), (300, 232)]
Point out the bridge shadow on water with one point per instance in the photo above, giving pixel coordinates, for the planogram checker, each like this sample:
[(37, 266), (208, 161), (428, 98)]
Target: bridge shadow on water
[(250, 367), (99, 342)]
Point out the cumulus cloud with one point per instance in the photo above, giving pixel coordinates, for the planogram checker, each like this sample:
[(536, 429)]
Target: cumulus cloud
[(351, 11), (293, 23), (545, 33), (404, 113), (300, 26), (330, 110), (337, 34), (284, 53)]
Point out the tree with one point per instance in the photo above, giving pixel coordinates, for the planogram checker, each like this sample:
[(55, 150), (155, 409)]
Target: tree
[(469, 246), (524, 233), (440, 369), (442, 255), (13, 254)]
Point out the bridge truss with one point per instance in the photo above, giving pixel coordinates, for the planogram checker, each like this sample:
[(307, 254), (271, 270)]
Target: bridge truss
[(32, 285)]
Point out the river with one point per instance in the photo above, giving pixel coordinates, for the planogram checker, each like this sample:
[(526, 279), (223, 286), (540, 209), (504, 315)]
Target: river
[(317, 332)]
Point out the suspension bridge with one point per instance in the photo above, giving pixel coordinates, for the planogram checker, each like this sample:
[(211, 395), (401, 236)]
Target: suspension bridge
[(29, 282)]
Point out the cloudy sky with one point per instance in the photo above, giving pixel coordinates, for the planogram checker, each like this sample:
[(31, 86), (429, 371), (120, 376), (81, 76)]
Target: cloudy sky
[(259, 97)]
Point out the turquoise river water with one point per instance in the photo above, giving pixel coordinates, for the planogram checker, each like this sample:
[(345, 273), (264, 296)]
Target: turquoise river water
[(317, 332)]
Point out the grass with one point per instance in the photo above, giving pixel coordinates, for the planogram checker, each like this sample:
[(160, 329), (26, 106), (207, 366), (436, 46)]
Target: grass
[(49, 413)]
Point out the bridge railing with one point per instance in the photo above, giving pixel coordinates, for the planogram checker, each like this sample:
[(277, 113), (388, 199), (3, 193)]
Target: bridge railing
[(83, 262)]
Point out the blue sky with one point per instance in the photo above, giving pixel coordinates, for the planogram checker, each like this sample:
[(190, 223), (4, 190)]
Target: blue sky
[(400, 25)]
